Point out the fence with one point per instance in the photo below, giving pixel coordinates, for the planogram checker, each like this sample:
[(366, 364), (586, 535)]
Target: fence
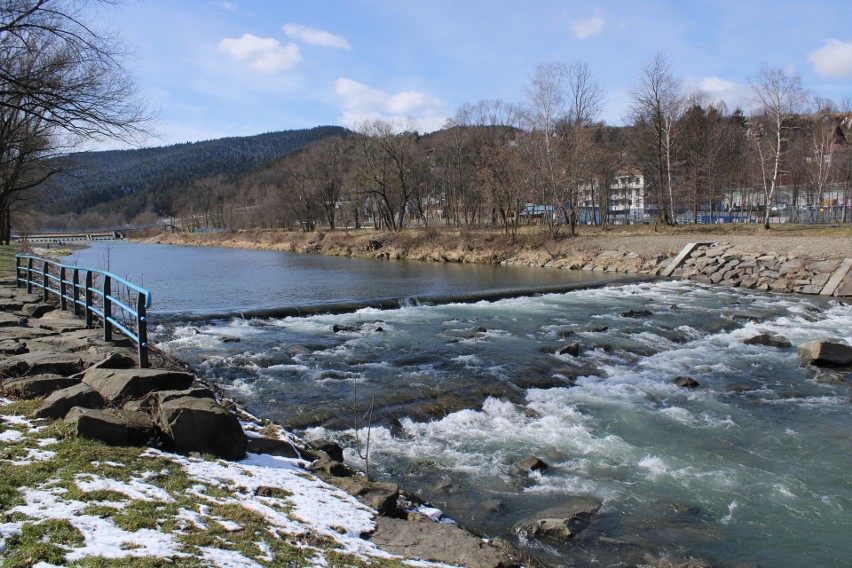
[(102, 297)]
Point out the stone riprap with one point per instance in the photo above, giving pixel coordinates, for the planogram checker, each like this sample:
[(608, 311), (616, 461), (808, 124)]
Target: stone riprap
[(723, 264), (93, 384)]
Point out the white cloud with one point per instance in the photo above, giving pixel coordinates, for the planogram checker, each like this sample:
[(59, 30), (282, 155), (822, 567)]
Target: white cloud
[(588, 27), (229, 6), (362, 102), (834, 59), (316, 36), (263, 54), (734, 95)]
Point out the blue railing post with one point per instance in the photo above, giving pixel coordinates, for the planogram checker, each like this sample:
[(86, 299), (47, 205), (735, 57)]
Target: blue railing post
[(107, 308), (76, 285), (45, 285), (142, 330), (63, 302), (88, 298), (29, 276)]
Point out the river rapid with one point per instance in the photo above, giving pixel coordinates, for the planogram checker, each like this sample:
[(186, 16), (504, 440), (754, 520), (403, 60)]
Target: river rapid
[(752, 467)]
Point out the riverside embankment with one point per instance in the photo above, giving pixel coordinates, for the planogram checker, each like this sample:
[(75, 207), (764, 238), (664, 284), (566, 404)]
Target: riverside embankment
[(800, 260), (95, 466)]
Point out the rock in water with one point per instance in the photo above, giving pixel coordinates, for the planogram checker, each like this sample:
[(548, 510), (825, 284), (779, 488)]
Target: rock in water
[(686, 382), (560, 523), (825, 352), (769, 340)]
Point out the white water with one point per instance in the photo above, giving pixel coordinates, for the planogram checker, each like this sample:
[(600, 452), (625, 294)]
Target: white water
[(751, 467)]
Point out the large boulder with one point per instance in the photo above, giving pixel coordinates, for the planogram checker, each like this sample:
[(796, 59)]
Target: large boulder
[(37, 310), (825, 352), (10, 320), (116, 427), (201, 425), (121, 384), (38, 385), (41, 362), (438, 542), (60, 402), (560, 523), (380, 496)]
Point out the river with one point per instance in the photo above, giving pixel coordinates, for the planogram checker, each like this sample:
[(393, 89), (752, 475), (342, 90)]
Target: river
[(750, 467)]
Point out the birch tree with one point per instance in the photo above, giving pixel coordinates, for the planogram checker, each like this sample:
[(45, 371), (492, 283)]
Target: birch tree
[(778, 96), (656, 105)]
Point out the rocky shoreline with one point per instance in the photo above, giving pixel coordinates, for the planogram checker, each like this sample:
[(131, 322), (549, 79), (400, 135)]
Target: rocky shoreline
[(94, 386), (788, 263)]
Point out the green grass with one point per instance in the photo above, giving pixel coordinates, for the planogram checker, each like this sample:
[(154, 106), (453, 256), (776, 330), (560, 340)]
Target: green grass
[(7, 260), (79, 459)]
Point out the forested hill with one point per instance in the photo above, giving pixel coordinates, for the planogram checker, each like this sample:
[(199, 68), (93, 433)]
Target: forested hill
[(122, 183)]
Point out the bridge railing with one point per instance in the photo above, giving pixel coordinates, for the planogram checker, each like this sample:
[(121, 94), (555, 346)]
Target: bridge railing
[(102, 297)]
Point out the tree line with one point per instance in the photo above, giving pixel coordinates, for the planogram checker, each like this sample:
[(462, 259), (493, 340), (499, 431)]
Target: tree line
[(550, 160)]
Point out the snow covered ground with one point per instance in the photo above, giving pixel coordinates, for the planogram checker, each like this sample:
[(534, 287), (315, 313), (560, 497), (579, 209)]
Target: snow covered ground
[(129, 503)]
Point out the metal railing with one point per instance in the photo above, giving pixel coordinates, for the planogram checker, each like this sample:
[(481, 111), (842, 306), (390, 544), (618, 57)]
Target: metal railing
[(102, 297)]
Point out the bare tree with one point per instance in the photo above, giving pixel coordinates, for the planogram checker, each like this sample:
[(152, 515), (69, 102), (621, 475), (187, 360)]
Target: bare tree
[(778, 96), (656, 105), (61, 82)]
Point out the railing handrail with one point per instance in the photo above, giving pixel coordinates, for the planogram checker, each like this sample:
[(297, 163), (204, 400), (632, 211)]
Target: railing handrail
[(90, 292)]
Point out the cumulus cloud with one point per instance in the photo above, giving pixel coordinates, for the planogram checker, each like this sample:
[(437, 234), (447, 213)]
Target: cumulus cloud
[(588, 27), (316, 36), (734, 95), (229, 6), (263, 54), (834, 59), (362, 102)]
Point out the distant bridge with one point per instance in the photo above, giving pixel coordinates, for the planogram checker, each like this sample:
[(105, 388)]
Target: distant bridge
[(65, 236)]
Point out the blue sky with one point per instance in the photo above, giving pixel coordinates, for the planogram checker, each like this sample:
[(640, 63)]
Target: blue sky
[(213, 68)]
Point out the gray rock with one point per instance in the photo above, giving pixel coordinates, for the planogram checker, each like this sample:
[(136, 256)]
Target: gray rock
[(439, 542), (119, 384), (61, 325), (10, 320), (201, 425), (156, 399), (811, 289), (58, 403), (572, 349), (560, 523), (116, 427), (273, 447), (38, 385), (12, 347), (769, 340), (41, 363), (295, 350), (57, 343), (37, 310), (531, 464), (331, 449), (636, 313), (380, 496), (115, 360), (825, 352), (686, 382)]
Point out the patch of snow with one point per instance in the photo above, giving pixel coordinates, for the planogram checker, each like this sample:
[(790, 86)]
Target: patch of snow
[(42, 442), (229, 526), (184, 514), (11, 436), (134, 489), (227, 559)]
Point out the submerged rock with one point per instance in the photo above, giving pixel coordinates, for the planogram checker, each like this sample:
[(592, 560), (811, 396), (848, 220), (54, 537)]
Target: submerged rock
[(769, 340), (530, 465), (572, 349), (686, 382), (562, 523)]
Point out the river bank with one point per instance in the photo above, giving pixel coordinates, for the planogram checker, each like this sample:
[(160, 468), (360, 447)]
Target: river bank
[(105, 482), (787, 259)]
